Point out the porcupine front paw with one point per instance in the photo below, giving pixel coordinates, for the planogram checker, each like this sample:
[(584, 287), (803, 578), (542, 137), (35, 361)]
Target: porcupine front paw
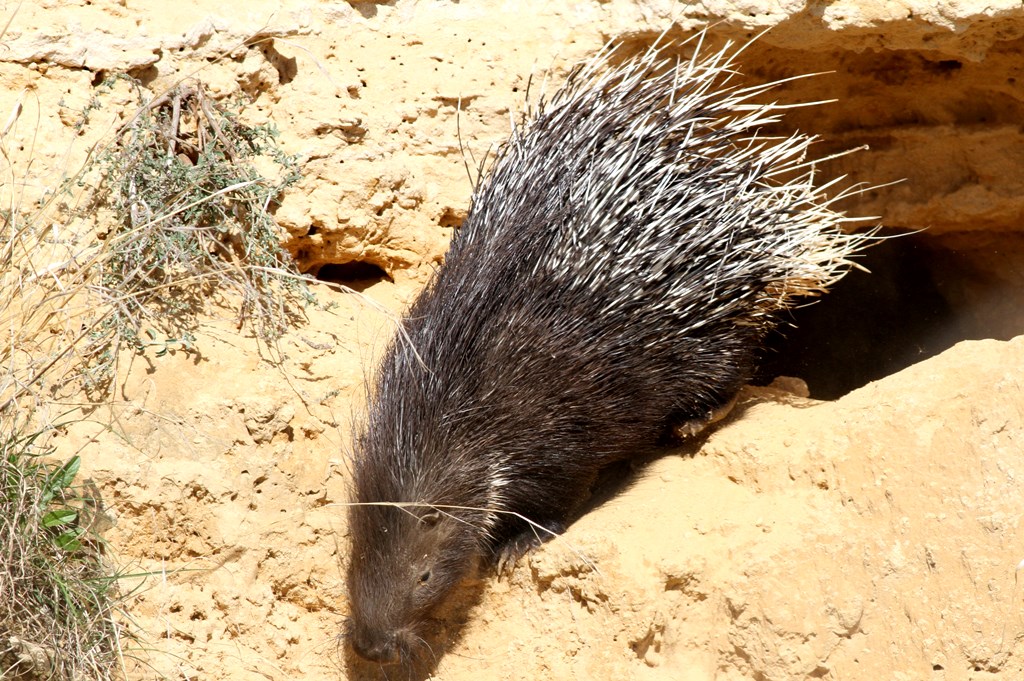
[(688, 429), (506, 555)]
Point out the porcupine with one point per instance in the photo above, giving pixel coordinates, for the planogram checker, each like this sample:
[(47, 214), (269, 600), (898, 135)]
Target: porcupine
[(620, 264)]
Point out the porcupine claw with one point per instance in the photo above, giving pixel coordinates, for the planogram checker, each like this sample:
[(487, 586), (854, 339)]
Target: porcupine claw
[(509, 553)]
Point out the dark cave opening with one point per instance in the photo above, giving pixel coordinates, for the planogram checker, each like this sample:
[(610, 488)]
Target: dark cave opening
[(358, 275), (921, 295)]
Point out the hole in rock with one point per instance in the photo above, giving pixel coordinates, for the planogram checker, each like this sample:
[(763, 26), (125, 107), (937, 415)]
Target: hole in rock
[(357, 274), (922, 296), (451, 218)]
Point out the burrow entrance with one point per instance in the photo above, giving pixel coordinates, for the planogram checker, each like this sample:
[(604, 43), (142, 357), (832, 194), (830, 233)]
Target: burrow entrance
[(940, 134), (357, 275), (922, 296)]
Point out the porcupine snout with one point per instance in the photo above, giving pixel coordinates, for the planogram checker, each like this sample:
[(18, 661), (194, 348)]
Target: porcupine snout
[(377, 637), (379, 645)]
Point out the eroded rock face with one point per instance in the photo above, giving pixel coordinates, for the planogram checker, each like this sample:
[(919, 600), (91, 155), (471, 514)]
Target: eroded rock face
[(871, 537), (383, 102)]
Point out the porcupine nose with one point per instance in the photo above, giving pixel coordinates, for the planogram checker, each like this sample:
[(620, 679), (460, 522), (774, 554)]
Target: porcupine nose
[(380, 647)]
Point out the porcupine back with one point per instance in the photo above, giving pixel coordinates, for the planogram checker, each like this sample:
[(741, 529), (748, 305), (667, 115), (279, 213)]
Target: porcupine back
[(620, 263)]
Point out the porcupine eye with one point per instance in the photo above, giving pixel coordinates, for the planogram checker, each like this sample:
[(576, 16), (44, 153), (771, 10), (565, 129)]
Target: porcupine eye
[(429, 520)]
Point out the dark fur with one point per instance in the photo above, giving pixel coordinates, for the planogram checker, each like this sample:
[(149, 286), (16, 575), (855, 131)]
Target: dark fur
[(516, 382)]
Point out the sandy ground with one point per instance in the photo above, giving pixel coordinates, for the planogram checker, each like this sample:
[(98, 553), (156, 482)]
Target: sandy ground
[(872, 537)]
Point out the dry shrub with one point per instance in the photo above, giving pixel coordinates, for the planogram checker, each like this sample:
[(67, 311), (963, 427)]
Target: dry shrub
[(168, 214)]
